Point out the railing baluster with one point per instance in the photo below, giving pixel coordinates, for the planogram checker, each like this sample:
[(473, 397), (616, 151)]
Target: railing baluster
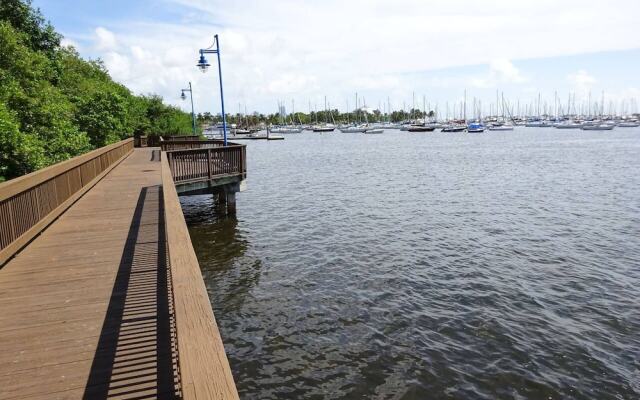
[(32, 201), (204, 160)]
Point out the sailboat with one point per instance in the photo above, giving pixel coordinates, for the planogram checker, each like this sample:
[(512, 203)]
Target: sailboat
[(570, 124), (453, 128), (597, 126), (353, 129), (326, 127), (629, 124), (283, 127), (424, 127), (475, 127), (501, 125), (421, 128)]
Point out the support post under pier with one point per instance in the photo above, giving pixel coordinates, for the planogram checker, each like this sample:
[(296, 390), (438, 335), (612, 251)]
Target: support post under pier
[(231, 202)]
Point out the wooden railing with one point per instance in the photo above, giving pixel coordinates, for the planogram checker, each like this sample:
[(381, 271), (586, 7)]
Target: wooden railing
[(179, 144), (181, 137), (197, 164), (202, 362), (30, 203), (140, 141)]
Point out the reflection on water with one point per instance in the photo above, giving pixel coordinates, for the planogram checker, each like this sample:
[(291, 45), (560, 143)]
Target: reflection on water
[(412, 266), (219, 246)]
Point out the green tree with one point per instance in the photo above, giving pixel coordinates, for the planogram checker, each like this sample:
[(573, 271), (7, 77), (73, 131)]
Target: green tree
[(103, 116), (55, 105), (19, 153), (24, 18)]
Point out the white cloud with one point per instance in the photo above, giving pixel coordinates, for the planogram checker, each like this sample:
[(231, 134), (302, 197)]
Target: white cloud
[(118, 65), (505, 71), (105, 40), (581, 82), (290, 84), (501, 71), (305, 50)]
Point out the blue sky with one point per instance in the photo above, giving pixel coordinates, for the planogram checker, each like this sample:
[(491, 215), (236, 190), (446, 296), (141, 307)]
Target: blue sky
[(302, 50)]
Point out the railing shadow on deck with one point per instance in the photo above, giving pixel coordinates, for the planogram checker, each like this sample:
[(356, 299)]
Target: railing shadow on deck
[(136, 353)]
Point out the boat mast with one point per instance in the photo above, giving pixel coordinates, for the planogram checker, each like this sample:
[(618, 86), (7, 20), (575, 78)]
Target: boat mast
[(465, 106), (389, 109), (413, 104), (348, 112)]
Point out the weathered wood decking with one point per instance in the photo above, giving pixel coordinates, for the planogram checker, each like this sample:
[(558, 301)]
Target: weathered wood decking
[(86, 309)]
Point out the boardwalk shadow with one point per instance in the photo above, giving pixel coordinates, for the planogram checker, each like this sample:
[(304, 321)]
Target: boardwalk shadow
[(135, 357)]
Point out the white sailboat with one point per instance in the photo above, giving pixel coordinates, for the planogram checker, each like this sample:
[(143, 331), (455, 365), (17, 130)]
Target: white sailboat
[(568, 125), (501, 125), (353, 129), (629, 124)]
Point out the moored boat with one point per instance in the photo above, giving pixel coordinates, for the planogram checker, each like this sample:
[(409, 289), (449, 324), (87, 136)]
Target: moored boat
[(503, 127), (323, 128), (285, 129), (475, 127), (629, 124), (453, 128), (538, 124), (420, 128), (354, 129), (569, 125), (597, 127)]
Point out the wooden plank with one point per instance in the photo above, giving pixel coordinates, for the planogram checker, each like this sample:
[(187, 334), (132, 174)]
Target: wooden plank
[(203, 364), (89, 307), (35, 200), (59, 336)]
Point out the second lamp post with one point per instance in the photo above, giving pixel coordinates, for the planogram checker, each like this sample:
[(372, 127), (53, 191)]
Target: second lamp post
[(193, 114)]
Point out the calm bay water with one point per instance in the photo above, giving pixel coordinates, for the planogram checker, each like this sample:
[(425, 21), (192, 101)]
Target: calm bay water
[(429, 265)]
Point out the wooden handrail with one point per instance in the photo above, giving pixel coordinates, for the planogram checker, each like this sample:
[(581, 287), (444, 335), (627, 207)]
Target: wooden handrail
[(175, 144), (28, 204), (203, 365), (180, 137), (199, 164)]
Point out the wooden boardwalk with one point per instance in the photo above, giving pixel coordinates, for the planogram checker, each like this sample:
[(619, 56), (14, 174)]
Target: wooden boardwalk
[(86, 309)]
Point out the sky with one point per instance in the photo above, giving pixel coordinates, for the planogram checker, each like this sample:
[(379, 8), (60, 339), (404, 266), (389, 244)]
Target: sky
[(401, 52)]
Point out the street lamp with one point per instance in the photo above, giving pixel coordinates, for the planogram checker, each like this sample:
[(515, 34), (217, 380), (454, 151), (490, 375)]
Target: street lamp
[(203, 64), (193, 114)]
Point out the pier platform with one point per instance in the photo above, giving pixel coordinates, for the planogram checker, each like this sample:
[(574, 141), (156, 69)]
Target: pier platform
[(108, 300)]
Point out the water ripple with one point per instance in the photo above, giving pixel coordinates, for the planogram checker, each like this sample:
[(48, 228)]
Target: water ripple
[(503, 265)]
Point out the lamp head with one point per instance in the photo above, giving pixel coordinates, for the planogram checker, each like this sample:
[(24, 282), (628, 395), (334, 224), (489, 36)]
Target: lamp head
[(203, 64), (182, 96)]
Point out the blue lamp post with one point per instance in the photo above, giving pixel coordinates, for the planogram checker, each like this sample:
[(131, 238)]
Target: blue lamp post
[(193, 113), (203, 64)]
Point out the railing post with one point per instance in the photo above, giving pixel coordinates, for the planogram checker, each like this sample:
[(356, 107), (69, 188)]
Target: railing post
[(170, 160), (209, 163), (244, 161)]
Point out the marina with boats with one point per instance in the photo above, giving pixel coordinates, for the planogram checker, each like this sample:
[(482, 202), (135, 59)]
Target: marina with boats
[(502, 115)]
